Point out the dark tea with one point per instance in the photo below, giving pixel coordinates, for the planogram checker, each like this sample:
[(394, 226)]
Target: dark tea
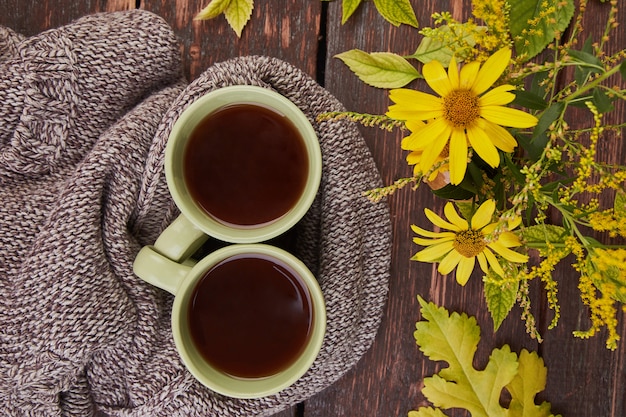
[(245, 165), (250, 316)]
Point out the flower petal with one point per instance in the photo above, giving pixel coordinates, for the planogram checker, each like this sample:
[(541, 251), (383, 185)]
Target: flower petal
[(453, 216), (433, 151), (508, 254), (464, 270), (427, 233), (493, 262), (491, 70), (411, 142), (438, 129), (483, 146), (458, 156), (483, 214), (467, 76), (505, 116), (453, 73), (433, 253), (438, 221), (414, 124), (412, 104), (498, 96), (430, 242), (482, 261), (499, 136), (450, 262), (509, 240), (437, 78)]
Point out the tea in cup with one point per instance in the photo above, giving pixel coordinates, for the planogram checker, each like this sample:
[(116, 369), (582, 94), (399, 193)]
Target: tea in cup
[(243, 165), (248, 319)]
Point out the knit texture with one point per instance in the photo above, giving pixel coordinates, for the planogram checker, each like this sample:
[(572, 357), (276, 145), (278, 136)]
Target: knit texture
[(85, 112)]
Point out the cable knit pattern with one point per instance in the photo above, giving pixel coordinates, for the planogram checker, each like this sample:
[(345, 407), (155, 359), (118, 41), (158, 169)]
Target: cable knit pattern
[(86, 110)]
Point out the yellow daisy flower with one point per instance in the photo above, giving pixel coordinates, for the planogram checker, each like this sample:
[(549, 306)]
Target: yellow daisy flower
[(464, 242), (465, 115)]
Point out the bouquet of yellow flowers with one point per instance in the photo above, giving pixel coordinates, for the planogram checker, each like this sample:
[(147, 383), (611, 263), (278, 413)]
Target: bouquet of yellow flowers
[(492, 138)]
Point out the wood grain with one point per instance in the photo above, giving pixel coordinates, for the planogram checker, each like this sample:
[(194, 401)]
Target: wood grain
[(284, 29), (585, 379)]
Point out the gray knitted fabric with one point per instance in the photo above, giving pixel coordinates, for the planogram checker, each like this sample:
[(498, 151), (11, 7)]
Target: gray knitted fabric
[(85, 111)]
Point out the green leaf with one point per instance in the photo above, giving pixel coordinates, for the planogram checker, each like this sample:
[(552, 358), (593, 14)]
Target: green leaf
[(530, 380), (454, 338), (619, 204), (238, 13), (427, 412), (500, 297), (542, 233), (581, 72), (213, 9), (529, 100), (602, 101), (433, 48), (551, 114), (537, 22), (454, 192), (348, 7), (585, 58), (380, 69), (622, 69), (397, 12)]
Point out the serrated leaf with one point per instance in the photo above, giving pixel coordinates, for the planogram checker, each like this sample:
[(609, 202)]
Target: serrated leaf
[(453, 338), (433, 49), (534, 27), (213, 9), (542, 233), (348, 7), (397, 12), (500, 297), (380, 69), (530, 380), (238, 13), (427, 412)]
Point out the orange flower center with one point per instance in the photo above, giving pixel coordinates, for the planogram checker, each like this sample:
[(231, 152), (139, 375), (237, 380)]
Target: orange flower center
[(469, 243), (461, 107)]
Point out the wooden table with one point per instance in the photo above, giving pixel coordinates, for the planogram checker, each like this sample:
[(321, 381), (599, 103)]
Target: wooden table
[(584, 379)]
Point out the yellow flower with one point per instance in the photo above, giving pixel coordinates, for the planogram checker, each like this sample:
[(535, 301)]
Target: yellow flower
[(465, 115), (464, 242), (414, 157)]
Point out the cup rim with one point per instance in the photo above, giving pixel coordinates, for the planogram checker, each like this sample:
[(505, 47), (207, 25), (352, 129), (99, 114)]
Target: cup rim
[(248, 388), (210, 102)]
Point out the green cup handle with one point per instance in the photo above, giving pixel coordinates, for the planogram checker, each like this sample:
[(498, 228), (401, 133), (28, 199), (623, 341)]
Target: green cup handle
[(180, 240), (160, 271), (167, 263)]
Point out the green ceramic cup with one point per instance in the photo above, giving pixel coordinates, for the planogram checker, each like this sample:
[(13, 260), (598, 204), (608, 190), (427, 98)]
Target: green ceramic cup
[(194, 223), (180, 278)]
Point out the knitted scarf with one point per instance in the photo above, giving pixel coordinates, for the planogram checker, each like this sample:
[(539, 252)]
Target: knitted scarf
[(85, 112)]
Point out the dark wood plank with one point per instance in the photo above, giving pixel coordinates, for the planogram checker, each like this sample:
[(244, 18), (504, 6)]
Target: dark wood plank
[(284, 29), (31, 17), (387, 380), (587, 379)]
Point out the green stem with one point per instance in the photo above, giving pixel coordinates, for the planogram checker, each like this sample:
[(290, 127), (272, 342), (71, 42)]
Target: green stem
[(591, 85)]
